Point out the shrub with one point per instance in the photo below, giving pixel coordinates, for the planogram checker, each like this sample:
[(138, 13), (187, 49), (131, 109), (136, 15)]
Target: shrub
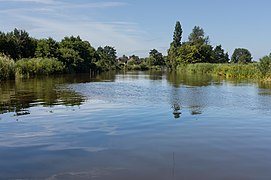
[(264, 66), (39, 66), (7, 67)]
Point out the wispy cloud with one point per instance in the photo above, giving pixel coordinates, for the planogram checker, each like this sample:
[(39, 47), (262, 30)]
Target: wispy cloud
[(51, 18), (97, 5), (66, 4), (32, 1)]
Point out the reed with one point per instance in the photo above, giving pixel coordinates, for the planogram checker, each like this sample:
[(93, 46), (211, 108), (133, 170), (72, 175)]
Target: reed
[(6, 67), (226, 70)]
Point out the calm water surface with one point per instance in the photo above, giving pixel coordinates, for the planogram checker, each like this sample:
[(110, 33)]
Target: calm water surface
[(138, 125)]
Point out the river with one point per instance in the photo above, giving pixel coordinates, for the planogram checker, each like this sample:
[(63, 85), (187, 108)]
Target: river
[(135, 125)]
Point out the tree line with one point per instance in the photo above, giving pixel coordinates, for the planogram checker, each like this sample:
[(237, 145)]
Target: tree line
[(25, 55), (76, 54), (71, 54), (198, 50)]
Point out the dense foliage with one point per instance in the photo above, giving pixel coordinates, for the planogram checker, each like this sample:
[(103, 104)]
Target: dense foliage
[(106, 57), (196, 50), (265, 66), (73, 53), (23, 55), (7, 67), (155, 58), (17, 44), (38, 66), (241, 55)]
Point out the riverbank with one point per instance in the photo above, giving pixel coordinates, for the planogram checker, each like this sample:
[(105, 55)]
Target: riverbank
[(251, 71), (9, 69)]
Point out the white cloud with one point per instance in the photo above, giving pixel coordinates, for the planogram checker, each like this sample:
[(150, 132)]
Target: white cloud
[(46, 20), (32, 1)]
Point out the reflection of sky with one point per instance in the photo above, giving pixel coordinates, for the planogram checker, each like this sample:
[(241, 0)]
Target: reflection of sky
[(131, 120)]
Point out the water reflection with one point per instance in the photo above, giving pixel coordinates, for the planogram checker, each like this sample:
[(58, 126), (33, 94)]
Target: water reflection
[(180, 90), (122, 120), (184, 89), (177, 79), (18, 96)]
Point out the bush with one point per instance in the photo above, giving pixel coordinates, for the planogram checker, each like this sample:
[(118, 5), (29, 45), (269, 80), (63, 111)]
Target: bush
[(39, 66), (7, 67), (264, 66)]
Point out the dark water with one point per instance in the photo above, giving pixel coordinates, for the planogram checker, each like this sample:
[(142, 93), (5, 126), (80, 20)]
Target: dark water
[(129, 126)]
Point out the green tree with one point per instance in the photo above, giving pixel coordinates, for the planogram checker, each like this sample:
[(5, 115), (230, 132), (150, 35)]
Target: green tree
[(77, 54), (17, 44), (107, 57), (219, 56), (241, 55), (156, 58), (265, 65), (177, 36), (47, 48), (198, 36), (70, 58), (171, 60)]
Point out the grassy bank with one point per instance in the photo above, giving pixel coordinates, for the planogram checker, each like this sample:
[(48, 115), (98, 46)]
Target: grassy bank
[(252, 70)]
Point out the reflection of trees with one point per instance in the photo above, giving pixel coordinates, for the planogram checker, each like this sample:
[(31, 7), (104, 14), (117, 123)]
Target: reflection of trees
[(264, 88), (264, 85), (195, 110), (175, 102), (181, 78), (18, 96), (192, 97), (105, 76), (155, 75), (176, 110)]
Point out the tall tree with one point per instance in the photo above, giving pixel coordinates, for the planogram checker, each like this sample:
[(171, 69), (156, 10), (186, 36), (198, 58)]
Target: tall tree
[(171, 60), (241, 55), (198, 36), (219, 56), (177, 36)]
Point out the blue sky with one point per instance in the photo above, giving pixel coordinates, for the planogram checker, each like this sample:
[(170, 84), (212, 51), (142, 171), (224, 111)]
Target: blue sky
[(135, 27)]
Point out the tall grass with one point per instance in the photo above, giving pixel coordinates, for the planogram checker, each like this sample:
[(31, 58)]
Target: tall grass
[(38, 66), (7, 66), (226, 70)]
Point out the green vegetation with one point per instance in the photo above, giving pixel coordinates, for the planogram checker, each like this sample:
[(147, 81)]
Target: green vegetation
[(106, 58), (241, 55), (38, 66), (264, 66), (17, 44), (24, 56), (171, 61), (224, 70), (7, 67), (198, 56)]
